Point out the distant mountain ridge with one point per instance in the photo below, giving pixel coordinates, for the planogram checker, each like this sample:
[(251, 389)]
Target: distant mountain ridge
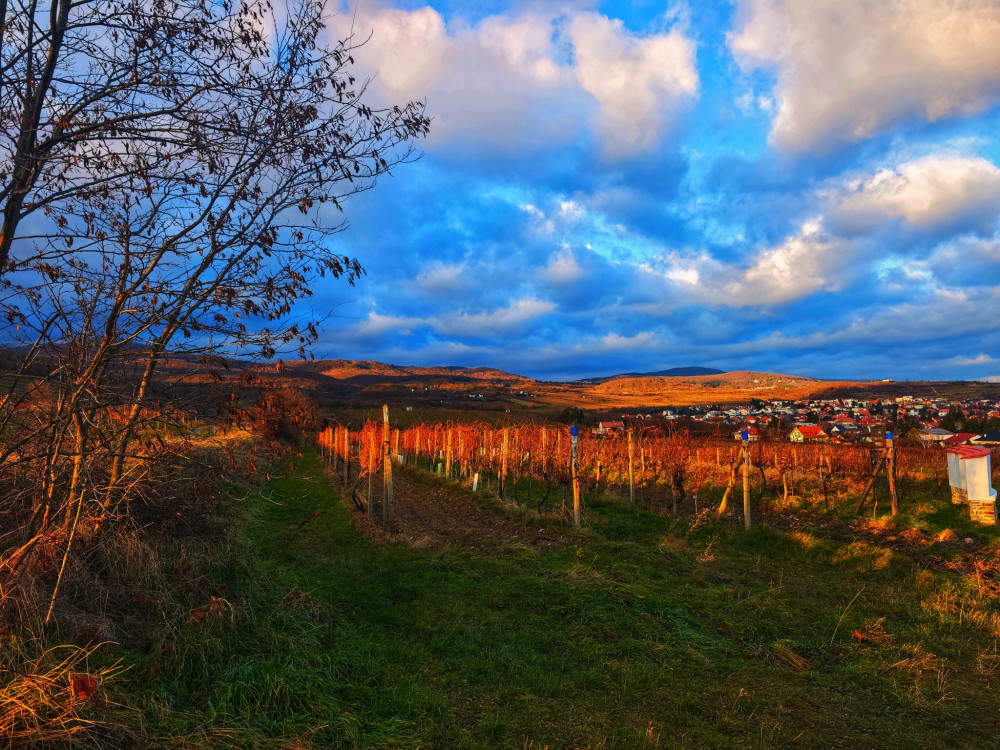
[(343, 369), (673, 372)]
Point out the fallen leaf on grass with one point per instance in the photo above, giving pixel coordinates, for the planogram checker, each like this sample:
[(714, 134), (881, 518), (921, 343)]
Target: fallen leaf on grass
[(83, 686)]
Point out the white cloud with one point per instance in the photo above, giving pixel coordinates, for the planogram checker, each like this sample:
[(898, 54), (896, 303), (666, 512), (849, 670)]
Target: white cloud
[(443, 277), (847, 69), (982, 359), (614, 342), (941, 190), (563, 268), (542, 224), (639, 82), (803, 264), (514, 316), (375, 326), (570, 210), (516, 81)]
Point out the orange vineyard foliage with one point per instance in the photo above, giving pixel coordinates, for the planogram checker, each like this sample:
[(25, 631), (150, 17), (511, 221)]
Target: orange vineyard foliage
[(677, 459)]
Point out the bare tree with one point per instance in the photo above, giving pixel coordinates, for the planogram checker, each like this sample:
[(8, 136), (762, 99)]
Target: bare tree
[(192, 226)]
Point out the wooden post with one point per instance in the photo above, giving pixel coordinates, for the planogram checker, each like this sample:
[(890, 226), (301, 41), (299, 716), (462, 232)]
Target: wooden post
[(447, 459), (461, 456), (543, 450), (387, 514), (575, 474), (631, 466), (371, 470), (347, 456), (502, 480), (890, 470), (746, 480), (395, 449)]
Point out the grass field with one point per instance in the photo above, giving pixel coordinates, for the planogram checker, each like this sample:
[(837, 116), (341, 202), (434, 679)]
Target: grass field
[(643, 632)]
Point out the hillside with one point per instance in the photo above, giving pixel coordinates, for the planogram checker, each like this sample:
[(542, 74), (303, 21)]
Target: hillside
[(730, 386), (344, 369), (369, 383), (671, 373)]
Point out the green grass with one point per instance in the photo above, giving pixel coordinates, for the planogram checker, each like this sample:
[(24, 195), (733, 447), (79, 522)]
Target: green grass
[(651, 633)]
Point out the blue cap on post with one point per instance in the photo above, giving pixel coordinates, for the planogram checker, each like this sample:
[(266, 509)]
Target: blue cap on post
[(888, 436), (746, 434), (572, 430)]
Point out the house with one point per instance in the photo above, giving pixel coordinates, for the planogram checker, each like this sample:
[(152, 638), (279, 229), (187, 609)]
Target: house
[(934, 436), (989, 439), (808, 433), (961, 438), (605, 428), (844, 429), (753, 434)]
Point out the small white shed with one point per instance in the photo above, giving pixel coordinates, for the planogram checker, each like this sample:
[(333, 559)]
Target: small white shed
[(969, 476)]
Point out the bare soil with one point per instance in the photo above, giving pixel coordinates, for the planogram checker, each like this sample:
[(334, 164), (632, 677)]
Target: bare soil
[(431, 513)]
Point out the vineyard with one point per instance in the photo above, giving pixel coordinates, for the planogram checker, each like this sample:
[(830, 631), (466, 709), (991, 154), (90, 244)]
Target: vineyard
[(664, 470)]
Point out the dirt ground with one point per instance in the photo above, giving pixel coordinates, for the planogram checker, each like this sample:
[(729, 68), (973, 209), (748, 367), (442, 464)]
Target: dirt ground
[(433, 514)]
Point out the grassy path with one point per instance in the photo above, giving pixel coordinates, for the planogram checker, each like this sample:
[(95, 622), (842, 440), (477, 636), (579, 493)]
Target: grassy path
[(649, 634)]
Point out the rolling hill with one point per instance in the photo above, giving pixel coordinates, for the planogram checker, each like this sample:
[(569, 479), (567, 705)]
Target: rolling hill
[(671, 373)]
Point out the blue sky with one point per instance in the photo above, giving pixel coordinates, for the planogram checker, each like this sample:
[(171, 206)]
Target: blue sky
[(810, 188)]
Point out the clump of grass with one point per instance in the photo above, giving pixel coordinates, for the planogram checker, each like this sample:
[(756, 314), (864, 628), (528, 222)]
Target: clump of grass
[(52, 698), (782, 653)]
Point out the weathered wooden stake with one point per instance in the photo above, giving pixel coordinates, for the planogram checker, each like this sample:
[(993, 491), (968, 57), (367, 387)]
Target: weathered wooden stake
[(447, 460), (502, 479), (387, 510), (890, 470), (575, 474), (463, 467), (347, 456), (631, 466), (371, 470), (746, 480)]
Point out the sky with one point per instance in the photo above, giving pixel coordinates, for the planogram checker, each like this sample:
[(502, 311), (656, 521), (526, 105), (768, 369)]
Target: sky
[(805, 188)]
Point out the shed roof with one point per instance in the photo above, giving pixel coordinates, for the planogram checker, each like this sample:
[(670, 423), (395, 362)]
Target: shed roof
[(959, 438), (969, 451)]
